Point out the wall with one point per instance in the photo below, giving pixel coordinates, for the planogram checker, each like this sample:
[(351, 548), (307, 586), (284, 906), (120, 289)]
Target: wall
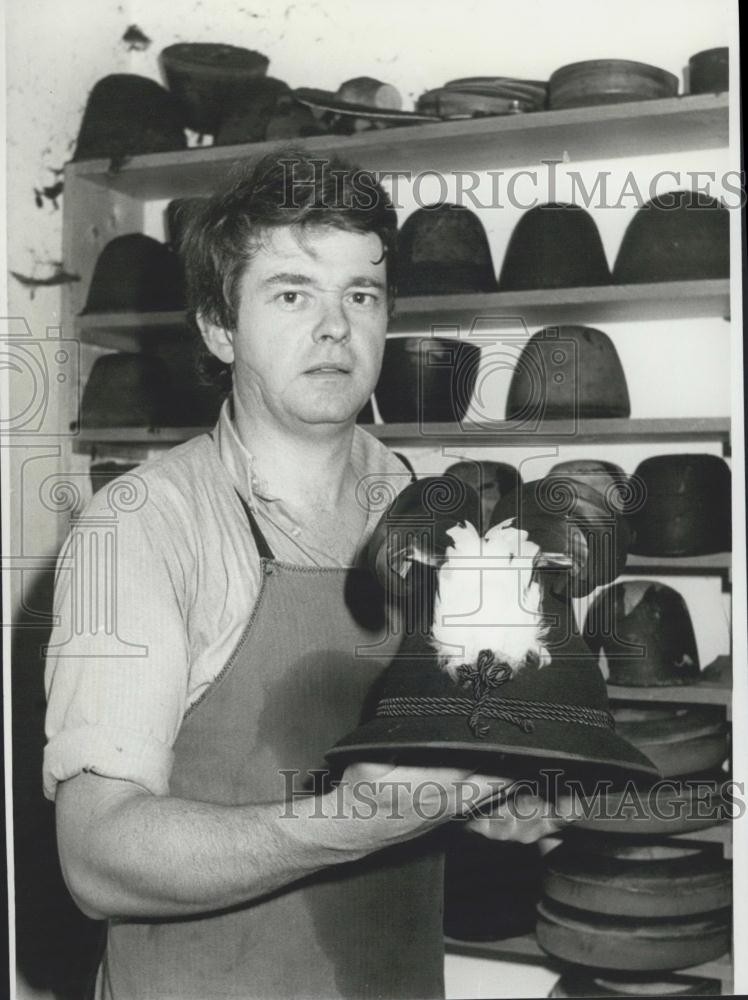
[(55, 55)]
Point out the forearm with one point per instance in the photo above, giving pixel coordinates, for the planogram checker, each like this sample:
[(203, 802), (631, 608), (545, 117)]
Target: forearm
[(132, 854), (127, 853)]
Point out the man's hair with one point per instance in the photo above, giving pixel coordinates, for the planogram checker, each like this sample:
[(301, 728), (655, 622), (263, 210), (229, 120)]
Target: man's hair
[(285, 188)]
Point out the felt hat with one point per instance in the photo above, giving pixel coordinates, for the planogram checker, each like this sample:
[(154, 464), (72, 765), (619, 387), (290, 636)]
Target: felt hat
[(608, 81), (605, 477), (426, 379), (451, 102), (582, 983), (686, 506), (709, 71), (616, 877), (678, 236), (291, 120), (126, 390), (631, 943), (554, 246), (135, 273), (491, 887), (246, 120), (533, 92), (566, 515), (567, 373), (443, 249), (208, 79), (555, 716), (672, 807), (490, 480), (643, 634), (420, 514), (363, 98), (679, 741), (127, 115)]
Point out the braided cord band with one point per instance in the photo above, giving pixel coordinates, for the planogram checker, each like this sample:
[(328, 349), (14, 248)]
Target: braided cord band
[(511, 710)]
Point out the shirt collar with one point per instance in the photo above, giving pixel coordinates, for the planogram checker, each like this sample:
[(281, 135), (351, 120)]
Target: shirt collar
[(370, 460), (238, 460)]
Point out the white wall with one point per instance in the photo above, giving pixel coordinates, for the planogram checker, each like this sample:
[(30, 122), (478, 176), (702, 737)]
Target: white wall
[(57, 51), (54, 54)]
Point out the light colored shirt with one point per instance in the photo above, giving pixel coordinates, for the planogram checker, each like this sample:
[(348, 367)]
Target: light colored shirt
[(155, 584)]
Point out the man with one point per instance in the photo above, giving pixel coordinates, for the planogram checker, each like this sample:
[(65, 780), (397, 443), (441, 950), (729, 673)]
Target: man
[(238, 573)]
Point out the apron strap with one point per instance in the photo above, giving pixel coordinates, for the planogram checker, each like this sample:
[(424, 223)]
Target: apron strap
[(260, 541)]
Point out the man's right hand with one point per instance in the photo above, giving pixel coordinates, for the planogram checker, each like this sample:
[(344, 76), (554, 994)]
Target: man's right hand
[(377, 805)]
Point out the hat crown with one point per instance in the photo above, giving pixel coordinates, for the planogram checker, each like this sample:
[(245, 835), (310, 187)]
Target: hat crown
[(136, 273), (444, 248), (568, 372), (677, 236), (556, 245), (686, 506), (645, 631), (126, 115)]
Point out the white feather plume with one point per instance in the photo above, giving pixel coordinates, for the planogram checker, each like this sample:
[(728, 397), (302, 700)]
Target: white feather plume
[(488, 599)]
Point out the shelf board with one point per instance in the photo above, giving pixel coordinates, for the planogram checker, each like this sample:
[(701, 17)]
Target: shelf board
[(517, 949), (573, 135), (125, 331), (686, 694), (543, 307), (716, 564), (138, 435), (526, 949), (656, 300), (505, 433), (499, 433), (118, 321)]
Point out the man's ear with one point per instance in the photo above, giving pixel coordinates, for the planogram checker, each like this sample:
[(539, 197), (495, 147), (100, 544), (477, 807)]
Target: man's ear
[(218, 340)]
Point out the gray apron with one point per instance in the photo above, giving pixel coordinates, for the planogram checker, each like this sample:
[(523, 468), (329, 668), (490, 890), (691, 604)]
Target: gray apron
[(295, 684)]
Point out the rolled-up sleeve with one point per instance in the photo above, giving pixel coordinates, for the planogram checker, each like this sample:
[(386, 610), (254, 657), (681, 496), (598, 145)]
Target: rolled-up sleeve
[(118, 662)]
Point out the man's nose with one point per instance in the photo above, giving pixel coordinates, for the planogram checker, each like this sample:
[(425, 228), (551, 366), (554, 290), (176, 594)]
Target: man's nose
[(333, 323)]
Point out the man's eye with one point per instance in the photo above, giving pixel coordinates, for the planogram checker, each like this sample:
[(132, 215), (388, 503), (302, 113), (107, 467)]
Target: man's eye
[(364, 298), (290, 298)]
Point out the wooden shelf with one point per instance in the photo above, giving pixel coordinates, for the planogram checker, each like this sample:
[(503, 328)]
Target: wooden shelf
[(505, 433), (517, 949), (717, 564), (657, 300), (126, 331), (574, 135), (526, 949), (685, 694), (138, 435), (544, 307), (499, 433)]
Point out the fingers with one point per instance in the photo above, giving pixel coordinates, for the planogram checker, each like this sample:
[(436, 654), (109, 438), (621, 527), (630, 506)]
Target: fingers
[(524, 819), (459, 790)]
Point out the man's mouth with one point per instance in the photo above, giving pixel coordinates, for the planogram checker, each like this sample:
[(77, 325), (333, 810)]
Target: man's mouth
[(328, 369)]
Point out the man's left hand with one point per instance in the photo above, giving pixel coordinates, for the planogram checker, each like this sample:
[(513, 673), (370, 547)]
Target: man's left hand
[(523, 818)]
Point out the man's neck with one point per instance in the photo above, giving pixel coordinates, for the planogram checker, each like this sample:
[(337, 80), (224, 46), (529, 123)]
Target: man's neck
[(310, 466)]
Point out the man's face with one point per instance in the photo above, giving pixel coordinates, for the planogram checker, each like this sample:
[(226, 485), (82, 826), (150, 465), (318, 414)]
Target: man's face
[(311, 326)]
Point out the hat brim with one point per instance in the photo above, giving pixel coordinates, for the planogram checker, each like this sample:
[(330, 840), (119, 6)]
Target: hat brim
[(586, 755), (320, 100)]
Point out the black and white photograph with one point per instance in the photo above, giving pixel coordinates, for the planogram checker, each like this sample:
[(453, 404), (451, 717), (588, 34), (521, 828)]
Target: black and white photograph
[(373, 499)]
